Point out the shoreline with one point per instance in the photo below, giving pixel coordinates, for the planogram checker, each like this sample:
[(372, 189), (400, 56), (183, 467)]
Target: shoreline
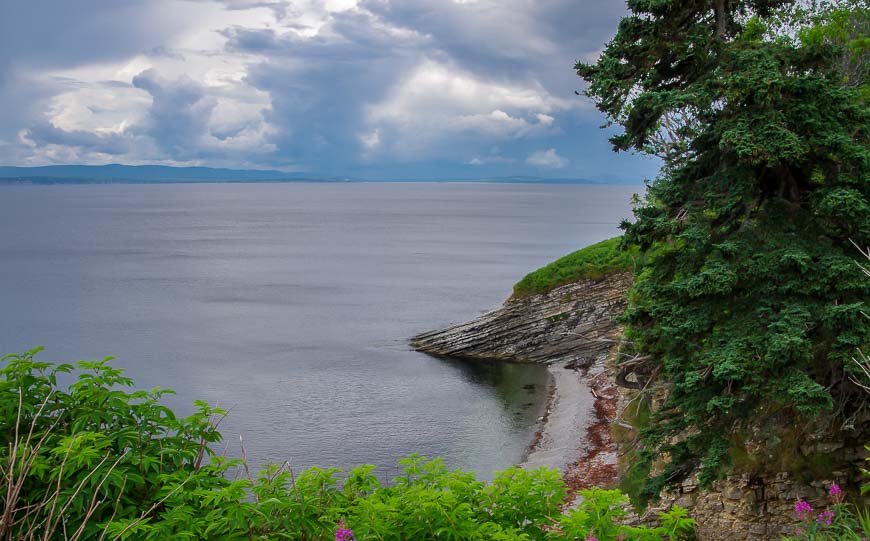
[(574, 434), (571, 329)]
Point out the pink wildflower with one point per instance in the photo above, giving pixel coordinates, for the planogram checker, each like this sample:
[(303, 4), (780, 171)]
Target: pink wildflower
[(343, 534), (802, 508), (826, 517), (836, 493)]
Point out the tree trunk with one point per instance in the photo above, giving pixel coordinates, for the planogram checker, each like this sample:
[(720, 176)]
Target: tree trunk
[(721, 19)]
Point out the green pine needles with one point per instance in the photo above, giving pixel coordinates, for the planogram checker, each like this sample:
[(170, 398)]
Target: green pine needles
[(749, 313)]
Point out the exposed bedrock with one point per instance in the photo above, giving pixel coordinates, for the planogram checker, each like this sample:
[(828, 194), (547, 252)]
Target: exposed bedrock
[(572, 323)]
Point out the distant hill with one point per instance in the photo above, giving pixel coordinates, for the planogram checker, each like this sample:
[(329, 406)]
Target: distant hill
[(137, 173), (157, 174)]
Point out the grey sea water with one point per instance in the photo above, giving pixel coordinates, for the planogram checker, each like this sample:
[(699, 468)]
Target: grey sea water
[(291, 304)]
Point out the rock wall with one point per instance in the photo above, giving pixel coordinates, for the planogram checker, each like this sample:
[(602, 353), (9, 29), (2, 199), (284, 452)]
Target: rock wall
[(749, 507), (757, 502), (572, 323)]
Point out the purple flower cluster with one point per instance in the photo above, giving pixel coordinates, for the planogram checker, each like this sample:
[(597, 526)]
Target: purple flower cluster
[(802, 509), (344, 534), (826, 516), (836, 493)]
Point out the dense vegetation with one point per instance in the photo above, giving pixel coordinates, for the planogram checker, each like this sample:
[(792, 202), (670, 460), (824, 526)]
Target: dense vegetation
[(592, 262), (749, 315), (91, 460)]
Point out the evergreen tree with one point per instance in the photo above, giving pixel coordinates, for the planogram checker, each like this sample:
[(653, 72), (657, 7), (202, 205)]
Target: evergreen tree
[(750, 311)]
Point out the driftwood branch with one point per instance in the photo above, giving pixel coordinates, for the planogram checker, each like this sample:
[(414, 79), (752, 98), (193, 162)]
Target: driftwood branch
[(632, 366)]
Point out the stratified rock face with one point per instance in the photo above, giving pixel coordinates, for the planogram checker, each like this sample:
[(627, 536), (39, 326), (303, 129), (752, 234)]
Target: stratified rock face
[(574, 322)]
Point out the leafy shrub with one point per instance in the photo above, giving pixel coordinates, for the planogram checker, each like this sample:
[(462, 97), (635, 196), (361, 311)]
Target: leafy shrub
[(92, 460), (601, 514)]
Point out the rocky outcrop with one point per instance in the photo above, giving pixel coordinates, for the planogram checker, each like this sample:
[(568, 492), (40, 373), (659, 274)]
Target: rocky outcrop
[(749, 507), (756, 501), (572, 323)]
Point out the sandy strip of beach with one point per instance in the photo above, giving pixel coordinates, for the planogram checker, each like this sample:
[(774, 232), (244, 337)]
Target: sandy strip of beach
[(575, 436)]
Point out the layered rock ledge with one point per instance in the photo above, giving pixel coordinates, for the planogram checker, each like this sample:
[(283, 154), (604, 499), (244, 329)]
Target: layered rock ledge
[(574, 323)]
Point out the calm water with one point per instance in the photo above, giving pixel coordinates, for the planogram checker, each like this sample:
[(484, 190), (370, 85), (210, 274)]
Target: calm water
[(291, 304)]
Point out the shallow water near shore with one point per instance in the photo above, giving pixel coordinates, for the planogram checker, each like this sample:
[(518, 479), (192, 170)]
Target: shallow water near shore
[(291, 304)]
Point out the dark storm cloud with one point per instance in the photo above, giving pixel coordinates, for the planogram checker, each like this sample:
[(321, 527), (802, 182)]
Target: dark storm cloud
[(65, 34), (494, 37), (179, 113), (320, 86)]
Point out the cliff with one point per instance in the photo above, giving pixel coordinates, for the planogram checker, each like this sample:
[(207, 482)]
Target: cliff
[(573, 323)]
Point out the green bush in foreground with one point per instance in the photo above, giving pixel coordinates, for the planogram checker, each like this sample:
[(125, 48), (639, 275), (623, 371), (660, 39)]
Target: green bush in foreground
[(93, 461), (592, 262)]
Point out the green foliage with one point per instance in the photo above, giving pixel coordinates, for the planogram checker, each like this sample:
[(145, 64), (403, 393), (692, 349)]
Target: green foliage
[(846, 26), (865, 488), (74, 459), (601, 514), (93, 461), (592, 262), (750, 312)]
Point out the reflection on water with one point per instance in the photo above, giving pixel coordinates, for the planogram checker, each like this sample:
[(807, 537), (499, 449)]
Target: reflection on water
[(291, 304), (517, 386)]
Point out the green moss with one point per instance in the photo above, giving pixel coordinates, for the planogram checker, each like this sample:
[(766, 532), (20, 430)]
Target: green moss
[(785, 454), (593, 262), (632, 481), (633, 471)]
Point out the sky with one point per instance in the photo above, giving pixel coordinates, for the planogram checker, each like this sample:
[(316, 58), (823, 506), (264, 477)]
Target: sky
[(361, 88)]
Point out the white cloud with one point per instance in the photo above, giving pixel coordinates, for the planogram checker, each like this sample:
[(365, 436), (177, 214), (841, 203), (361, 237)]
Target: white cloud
[(438, 102), (98, 108), (547, 158), (486, 160), (545, 120), (436, 85), (371, 140)]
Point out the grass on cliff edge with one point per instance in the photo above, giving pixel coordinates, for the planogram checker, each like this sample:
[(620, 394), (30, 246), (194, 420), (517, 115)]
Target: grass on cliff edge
[(592, 262)]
